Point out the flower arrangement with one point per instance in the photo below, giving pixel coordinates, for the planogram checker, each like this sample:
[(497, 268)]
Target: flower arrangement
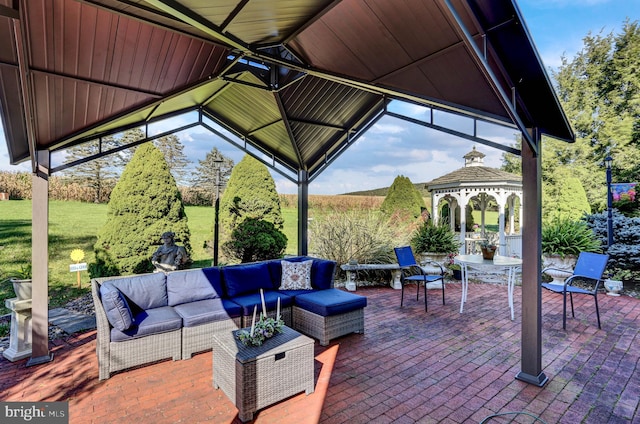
[(262, 330), (488, 245), (476, 228)]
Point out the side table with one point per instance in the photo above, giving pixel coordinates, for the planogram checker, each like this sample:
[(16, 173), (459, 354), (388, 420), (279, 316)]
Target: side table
[(254, 377)]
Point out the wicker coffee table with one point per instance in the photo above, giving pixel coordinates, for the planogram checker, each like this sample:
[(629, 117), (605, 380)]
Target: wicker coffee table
[(256, 377)]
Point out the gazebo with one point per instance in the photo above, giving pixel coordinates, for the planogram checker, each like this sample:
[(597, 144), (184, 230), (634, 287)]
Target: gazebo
[(476, 184)]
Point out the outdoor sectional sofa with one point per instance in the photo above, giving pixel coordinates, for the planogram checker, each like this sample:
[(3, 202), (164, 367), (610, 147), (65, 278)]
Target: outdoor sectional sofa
[(149, 317)]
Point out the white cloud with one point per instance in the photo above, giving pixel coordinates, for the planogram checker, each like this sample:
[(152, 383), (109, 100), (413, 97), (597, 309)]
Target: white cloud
[(387, 128)]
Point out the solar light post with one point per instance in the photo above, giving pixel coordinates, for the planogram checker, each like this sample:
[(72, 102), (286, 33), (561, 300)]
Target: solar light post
[(607, 163), (217, 214)]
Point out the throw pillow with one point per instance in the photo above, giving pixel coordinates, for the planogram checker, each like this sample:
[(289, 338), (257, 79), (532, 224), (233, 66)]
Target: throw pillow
[(116, 307), (296, 275)]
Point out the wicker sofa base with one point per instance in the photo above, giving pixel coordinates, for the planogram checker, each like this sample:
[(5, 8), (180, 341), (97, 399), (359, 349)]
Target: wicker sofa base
[(200, 337), (324, 329), (134, 352)]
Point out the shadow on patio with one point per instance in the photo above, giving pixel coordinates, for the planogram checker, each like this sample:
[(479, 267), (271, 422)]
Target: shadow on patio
[(409, 366)]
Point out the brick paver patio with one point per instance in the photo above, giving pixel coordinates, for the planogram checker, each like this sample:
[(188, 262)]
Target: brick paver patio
[(409, 366)]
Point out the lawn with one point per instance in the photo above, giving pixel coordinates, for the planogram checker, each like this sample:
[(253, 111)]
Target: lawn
[(75, 225)]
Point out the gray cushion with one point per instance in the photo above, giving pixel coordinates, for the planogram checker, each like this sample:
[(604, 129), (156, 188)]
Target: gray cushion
[(151, 321), (208, 310), (189, 286), (116, 307), (147, 291)]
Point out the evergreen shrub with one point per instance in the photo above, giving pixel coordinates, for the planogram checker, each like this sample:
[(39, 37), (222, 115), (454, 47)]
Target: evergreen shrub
[(403, 199), (255, 240), (144, 204), (624, 254)]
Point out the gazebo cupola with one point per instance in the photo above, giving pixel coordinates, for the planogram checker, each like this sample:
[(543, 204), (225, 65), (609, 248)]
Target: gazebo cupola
[(475, 184), (474, 158)]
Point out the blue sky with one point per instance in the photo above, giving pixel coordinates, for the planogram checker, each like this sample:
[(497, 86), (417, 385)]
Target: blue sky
[(557, 27)]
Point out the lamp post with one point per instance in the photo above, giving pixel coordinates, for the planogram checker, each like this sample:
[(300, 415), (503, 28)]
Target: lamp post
[(607, 163), (218, 163)]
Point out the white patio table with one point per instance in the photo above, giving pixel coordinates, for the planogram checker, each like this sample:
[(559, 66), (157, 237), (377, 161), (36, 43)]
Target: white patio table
[(510, 265)]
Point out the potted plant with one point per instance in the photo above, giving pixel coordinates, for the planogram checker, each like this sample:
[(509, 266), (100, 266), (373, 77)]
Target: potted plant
[(488, 249), (614, 284), (433, 243), (21, 281), (562, 241), (456, 269)]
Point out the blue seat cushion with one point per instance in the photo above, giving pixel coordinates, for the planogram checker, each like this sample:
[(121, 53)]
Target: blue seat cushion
[(246, 278), (330, 302), (116, 307), (207, 310), (248, 301), (146, 291), (293, 293), (193, 285), (151, 321)]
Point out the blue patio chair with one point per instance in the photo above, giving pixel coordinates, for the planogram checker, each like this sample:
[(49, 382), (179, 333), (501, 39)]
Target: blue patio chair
[(588, 270), (413, 273)]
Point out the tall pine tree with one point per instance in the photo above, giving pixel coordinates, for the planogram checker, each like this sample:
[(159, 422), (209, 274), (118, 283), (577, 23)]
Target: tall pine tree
[(206, 175), (173, 151), (600, 92)]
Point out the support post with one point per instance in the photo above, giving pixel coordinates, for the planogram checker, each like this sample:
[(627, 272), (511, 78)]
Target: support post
[(40, 261), (216, 228), (607, 163), (531, 350), (303, 212)]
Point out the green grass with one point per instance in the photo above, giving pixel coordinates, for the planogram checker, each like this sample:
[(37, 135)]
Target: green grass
[(75, 225), (490, 220)]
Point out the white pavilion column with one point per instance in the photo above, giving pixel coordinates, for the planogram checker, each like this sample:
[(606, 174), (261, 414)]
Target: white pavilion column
[(502, 241), (453, 206), (483, 208), (512, 204), (520, 216), (435, 200), (464, 201)]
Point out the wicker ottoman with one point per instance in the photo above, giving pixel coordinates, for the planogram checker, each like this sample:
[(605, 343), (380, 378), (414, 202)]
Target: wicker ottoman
[(256, 377)]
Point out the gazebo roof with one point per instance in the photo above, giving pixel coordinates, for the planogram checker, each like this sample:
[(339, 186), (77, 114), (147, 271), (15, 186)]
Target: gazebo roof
[(475, 174)]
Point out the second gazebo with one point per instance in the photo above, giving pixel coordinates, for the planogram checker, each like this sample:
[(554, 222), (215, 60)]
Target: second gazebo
[(476, 184)]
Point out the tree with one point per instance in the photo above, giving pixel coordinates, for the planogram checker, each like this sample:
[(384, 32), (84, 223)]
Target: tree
[(144, 204), (173, 151), (600, 92), (403, 198), (564, 196), (101, 173), (251, 193), (206, 175), (97, 172)]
